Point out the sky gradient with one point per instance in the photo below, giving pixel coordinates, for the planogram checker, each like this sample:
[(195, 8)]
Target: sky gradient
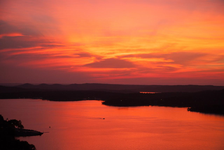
[(112, 41)]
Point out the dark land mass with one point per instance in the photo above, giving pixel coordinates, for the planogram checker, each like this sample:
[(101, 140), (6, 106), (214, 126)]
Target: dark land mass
[(205, 99), (120, 87), (9, 130), (26, 132)]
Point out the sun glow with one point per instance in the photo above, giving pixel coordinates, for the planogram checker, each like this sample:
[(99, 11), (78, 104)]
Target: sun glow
[(94, 38)]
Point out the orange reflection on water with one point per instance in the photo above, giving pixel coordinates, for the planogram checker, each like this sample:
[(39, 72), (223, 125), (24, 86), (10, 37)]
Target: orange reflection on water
[(80, 125), (148, 92), (141, 128)]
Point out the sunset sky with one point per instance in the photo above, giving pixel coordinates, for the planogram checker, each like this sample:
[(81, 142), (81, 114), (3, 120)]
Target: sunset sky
[(112, 41)]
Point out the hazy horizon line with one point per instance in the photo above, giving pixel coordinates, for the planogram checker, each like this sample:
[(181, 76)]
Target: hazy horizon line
[(16, 84)]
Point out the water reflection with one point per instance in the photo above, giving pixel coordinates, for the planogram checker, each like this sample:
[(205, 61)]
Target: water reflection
[(79, 125)]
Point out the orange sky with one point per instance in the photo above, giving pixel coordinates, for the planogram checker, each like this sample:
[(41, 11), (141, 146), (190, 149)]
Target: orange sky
[(112, 41)]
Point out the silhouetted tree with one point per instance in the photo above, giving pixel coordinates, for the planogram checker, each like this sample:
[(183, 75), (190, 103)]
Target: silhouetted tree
[(7, 136), (16, 123)]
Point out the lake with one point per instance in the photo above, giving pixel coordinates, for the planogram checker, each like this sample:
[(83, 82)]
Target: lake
[(89, 125)]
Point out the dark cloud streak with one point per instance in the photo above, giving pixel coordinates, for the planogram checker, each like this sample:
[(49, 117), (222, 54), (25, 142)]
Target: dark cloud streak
[(111, 63), (27, 30)]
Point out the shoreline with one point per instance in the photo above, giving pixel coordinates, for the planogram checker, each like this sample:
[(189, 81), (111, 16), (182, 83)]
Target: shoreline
[(211, 101)]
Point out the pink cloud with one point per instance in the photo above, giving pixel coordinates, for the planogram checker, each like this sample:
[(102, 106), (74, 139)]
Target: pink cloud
[(115, 40)]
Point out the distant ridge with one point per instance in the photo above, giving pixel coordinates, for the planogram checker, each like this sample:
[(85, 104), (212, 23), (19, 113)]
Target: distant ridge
[(206, 99), (120, 87)]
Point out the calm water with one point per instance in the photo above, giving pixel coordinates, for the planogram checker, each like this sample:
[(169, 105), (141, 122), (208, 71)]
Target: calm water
[(80, 126)]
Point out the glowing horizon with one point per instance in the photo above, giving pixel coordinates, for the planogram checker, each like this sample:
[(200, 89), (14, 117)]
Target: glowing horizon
[(127, 41)]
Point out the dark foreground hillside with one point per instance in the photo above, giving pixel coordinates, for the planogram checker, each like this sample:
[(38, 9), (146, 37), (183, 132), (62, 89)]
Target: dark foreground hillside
[(9, 130), (209, 101)]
